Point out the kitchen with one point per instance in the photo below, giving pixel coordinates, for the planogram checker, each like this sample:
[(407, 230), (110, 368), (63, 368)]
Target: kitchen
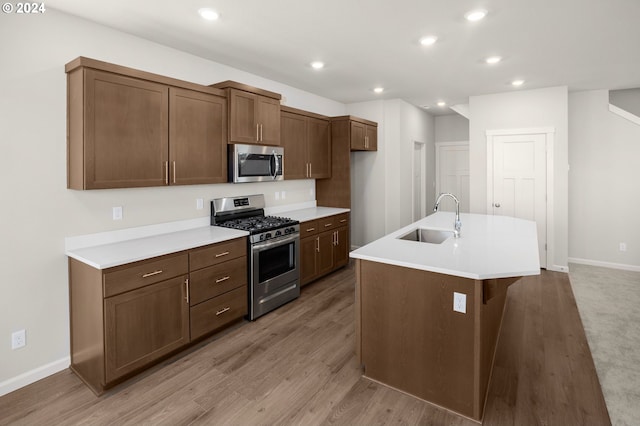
[(35, 289)]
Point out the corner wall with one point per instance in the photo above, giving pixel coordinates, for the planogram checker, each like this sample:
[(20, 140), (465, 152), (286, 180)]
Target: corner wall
[(604, 196), (381, 192)]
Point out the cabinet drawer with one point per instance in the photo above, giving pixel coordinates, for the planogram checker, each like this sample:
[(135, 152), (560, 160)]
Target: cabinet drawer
[(218, 312), (332, 222), (217, 253), (215, 280), (140, 274), (308, 228)]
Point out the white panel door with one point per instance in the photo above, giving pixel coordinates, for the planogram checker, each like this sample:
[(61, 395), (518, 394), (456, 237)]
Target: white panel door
[(452, 166), (519, 181), (419, 180)]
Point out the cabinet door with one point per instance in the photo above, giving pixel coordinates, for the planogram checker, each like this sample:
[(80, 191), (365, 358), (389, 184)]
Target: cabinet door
[(319, 148), (269, 118), (144, 324), (341, 247), (243, 123), (198, 137), (357, 135), (294, 133), (308, 249), (325, 254), (371, 133), (126, 131)]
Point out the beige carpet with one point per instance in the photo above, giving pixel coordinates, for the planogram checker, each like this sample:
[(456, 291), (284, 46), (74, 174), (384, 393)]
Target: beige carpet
[(609, 304)]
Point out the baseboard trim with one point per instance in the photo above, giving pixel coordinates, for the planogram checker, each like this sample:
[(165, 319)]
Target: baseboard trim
[(34, 375), (611, 265)]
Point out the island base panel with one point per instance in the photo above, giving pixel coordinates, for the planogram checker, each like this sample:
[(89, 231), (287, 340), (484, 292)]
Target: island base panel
[(410, 338)]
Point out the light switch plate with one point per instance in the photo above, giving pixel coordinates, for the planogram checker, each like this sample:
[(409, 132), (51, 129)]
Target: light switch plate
[(199, 203), (460, 302)]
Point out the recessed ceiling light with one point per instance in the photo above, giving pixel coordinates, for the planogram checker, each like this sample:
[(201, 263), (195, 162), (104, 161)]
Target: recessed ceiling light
[(378, 89), (493, 59), (517, 82), (442, 103), (317, 65), (208, 14), (428, 40), (475, 15)]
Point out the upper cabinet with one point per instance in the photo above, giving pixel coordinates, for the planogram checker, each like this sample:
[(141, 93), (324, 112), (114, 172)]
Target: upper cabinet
[(363, 134), (254, 114), (128, 128), (306, 139)]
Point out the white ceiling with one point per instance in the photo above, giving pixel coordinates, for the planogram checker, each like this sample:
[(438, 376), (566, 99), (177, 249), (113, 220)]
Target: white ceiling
[(583, 44)]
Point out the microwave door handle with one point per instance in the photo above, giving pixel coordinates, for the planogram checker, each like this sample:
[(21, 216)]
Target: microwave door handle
[(277, 165)]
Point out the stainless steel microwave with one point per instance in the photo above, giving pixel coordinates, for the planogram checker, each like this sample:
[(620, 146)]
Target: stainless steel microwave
[(255, 163)]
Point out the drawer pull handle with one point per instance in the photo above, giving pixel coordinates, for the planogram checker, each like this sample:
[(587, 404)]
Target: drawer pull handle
[(222, 311), (343, 220), (150, 274), (222, 254), (326, 225), (311, 229), (219, 280)]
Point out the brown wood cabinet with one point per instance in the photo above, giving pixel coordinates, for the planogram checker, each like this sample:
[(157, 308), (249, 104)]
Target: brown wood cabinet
[(306, 139), (336, 190), (218, 286), (197, 137), (324, 246), (254, 114), (125, 318), (128, 128), (363, 134)]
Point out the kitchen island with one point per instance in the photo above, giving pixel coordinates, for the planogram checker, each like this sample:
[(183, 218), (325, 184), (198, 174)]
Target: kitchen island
[(428, 314)]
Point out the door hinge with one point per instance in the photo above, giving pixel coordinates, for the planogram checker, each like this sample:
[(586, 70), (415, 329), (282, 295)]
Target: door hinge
[(545, 246)]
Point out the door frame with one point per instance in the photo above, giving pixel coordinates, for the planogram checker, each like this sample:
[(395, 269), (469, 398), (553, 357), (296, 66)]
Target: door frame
[(423, 179), (440, 145), (549, 133)]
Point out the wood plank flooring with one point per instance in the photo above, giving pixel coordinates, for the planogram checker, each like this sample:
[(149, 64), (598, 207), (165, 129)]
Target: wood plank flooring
[(297, 366)]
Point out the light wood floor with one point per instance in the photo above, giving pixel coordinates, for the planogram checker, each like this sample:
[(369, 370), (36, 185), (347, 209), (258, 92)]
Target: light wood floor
[(297, 366)]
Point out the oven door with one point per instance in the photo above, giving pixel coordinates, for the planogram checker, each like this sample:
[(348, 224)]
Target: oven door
[(275, 274)]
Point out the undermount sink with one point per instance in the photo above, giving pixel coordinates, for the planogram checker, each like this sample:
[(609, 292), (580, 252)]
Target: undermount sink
[(427, 235)]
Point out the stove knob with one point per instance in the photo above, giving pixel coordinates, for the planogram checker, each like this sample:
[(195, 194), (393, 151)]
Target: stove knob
[(267, 235)]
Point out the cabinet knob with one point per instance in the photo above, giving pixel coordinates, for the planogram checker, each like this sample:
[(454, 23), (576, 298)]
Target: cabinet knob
[(497, 204)]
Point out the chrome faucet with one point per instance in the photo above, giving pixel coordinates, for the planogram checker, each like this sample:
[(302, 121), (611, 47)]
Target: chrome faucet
[(457, 224)]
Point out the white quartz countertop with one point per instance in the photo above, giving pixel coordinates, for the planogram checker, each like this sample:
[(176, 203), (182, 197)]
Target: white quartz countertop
[(123, 252), (304, 215), (488, 247)]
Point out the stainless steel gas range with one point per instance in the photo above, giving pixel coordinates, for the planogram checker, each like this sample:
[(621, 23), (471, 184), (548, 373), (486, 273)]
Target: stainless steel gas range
[(274, 247)]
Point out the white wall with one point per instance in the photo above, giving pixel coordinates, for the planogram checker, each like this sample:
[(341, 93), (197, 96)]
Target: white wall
[(381, 190), (451, 128), (39, 212), (604, 194), (523, 109)]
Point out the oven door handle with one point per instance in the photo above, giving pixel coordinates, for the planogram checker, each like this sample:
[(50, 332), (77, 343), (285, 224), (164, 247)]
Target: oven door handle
[(277, 165), (273, 243)]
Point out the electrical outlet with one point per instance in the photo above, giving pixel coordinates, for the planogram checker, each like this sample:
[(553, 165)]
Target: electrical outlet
[(460, 302), (18, 339), (277, 196), (623, 246), (284, 195), (199, 203), (117, 213)]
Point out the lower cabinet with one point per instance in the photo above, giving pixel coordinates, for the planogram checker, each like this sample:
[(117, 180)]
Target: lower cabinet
[(144, 324), (324, 246), (126, 318)]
